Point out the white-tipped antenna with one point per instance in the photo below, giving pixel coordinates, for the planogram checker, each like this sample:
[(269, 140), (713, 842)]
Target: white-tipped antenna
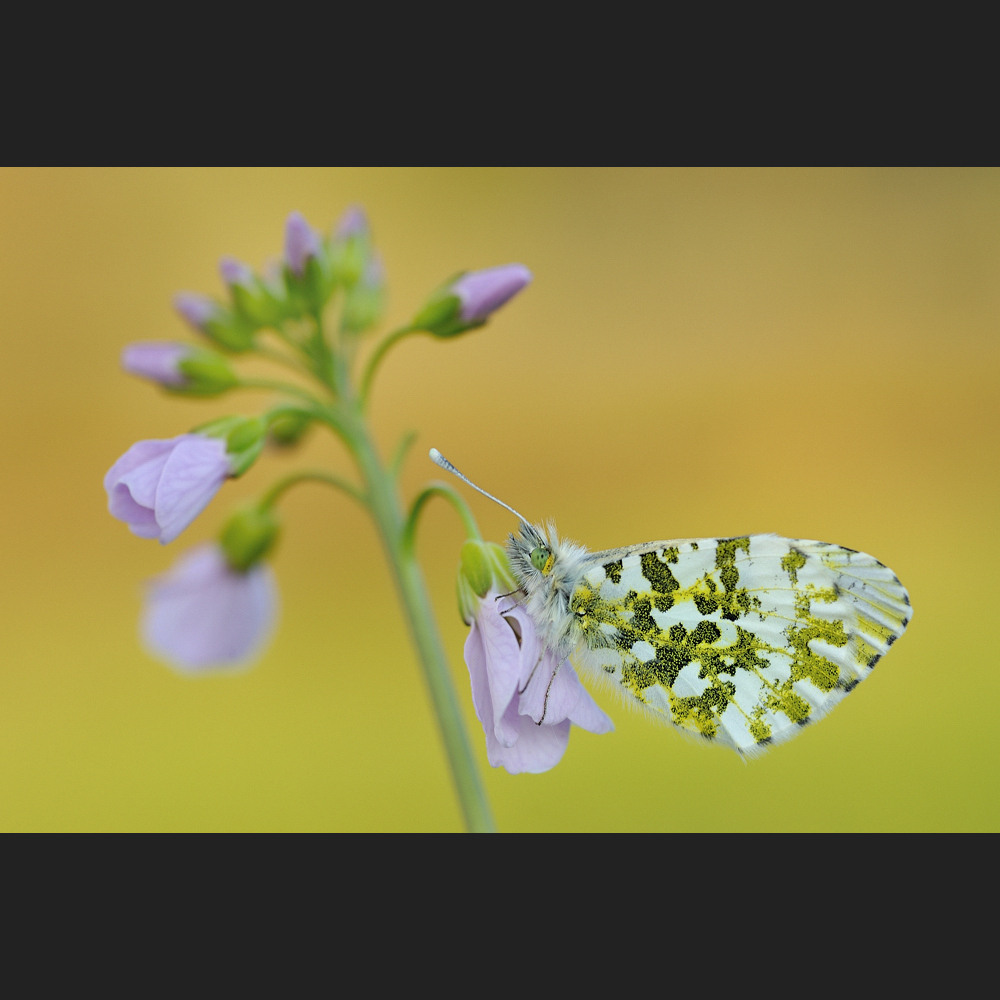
[(438, 459)]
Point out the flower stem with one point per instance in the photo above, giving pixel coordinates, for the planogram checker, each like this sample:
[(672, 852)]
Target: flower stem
[(376, 359), (453, 497), (385, 507), (312, 476)]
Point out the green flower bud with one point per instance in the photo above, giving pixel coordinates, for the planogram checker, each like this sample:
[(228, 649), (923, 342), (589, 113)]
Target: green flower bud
[(288, 428), (248, 536), (482, 566)]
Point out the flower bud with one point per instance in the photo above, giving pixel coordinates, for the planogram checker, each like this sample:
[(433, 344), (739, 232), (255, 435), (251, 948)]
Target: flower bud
[(248, 536), (288, 428), (301, 243), (259, 303), (365, 302), (180, 368), (482, 566), (227, 329), (467, 300), (350, 247)]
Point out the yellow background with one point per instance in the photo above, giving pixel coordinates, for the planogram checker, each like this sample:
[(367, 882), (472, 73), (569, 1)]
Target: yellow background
[(702, 353)]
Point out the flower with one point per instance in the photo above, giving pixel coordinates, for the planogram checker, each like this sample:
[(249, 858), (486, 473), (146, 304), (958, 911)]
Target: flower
[(483, 292), (301, 243), (157, 361), (525, 697), (159, 487), (203, 613)]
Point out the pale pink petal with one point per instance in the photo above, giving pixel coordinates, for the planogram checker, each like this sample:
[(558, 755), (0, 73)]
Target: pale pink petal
[(483, 292), (503, 666), (531, 644), (202, 613), (537, 748), (193, 474)]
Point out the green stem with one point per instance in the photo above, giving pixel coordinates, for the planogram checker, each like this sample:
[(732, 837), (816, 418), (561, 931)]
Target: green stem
[(312, 476), (454, 498), (283, 359), (419, 613), (405, 442), (376, 359), (275, 386)]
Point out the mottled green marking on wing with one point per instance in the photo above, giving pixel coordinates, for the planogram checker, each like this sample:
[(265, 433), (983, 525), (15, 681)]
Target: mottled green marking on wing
[(741, 640)]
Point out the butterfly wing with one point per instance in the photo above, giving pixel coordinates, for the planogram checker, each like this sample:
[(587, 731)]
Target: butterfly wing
[(739, 640)]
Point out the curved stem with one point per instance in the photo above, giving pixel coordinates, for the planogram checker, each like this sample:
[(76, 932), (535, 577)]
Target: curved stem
[(312, 476), (453, 497), (376, 359), (274, 386), (283, 359), (405, 442)]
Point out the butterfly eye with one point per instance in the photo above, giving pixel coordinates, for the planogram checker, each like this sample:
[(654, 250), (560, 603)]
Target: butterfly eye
[(539, 557)]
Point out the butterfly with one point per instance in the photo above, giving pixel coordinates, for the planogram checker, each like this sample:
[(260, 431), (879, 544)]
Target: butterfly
[(737, 641)]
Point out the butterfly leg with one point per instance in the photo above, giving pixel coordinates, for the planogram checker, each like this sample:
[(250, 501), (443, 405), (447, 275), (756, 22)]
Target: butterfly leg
[(532, 674)]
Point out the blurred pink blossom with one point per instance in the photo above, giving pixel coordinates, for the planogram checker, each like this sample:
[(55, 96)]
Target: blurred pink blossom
[(202, 613)]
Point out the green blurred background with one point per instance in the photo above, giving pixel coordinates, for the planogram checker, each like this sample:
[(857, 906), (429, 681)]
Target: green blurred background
[(702, 353)]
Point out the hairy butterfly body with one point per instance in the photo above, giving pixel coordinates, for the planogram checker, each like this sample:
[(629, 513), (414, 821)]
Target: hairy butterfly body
[(740, 641)]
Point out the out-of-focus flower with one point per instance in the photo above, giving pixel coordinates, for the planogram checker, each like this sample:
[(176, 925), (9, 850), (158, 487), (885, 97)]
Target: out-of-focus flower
[(158, 361), (301, 243), (159, 487), (198, 310), (467, 300), (526, 699), (354, 222), (483, 292), (191, 371), (235, 272), (365, 302), (202, 613)]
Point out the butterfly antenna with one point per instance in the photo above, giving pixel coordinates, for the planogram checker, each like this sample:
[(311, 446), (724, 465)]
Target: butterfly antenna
[(438, 459)]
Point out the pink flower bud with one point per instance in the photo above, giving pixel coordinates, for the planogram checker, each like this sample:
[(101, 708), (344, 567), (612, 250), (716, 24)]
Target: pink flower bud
[(196, 309), (156, 360), (159, 487), (202, 613), (483, 292), (235, 272), (353, 222), (301, 243)]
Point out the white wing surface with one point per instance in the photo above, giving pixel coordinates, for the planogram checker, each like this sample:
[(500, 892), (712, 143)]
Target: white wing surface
[(738, 640)]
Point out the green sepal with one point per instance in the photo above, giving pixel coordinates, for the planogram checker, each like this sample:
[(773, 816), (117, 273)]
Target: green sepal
[(248, 536), (244, 436), (230, 330), (288, 428), (482, 566), (259, 304), (309, 293), (440, 311), (207, 374), (348, 259)]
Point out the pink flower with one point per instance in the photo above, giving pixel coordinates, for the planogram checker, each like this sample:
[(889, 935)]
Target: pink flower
[(159, 487), (525, 699), (202, 613)]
